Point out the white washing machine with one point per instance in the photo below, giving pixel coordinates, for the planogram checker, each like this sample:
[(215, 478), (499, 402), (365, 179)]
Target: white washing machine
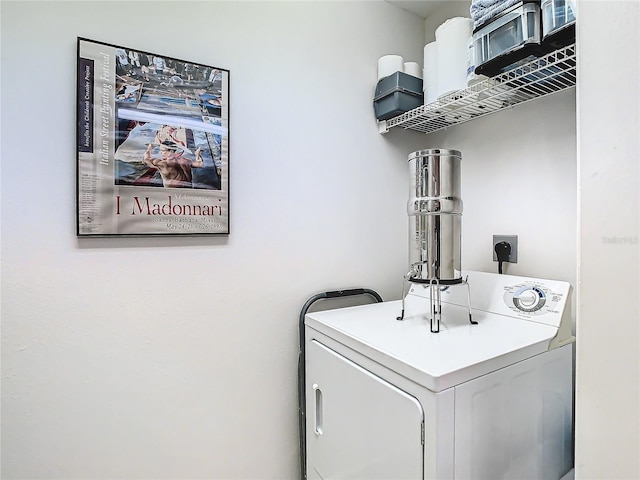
[(389, 399)]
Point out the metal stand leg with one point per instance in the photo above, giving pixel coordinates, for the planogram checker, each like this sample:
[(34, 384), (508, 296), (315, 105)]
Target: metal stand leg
[(404, 282), (471, 320), (435, 304)]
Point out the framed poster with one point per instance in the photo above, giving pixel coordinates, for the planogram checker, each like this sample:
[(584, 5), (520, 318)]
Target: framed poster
[(152, 144)]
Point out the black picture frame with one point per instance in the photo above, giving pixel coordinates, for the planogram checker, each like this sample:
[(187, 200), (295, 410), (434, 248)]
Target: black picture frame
[(152, 150)]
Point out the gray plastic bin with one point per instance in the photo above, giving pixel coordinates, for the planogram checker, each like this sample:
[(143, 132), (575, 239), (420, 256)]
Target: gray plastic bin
[(396, 94)]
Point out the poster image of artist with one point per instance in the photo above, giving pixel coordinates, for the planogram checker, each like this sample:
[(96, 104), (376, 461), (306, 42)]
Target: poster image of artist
[(169, 156)]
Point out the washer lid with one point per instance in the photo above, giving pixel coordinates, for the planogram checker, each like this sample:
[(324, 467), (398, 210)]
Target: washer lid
[(458, 353)]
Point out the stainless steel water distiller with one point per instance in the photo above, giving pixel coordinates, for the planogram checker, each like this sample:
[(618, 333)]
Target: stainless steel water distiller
[(435, 216), (435, 226)]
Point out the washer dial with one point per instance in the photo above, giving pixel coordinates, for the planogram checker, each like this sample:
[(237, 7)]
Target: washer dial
[(529, 298), (534, 300)]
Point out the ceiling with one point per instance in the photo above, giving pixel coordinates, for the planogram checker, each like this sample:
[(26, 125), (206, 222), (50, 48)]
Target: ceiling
[(422, 8)]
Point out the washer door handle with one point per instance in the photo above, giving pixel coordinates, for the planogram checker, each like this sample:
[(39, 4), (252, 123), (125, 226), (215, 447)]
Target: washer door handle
[(318, 395)]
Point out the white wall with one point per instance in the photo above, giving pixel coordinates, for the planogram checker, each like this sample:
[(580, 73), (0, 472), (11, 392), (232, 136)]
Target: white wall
[(608, 332), (176, 358)]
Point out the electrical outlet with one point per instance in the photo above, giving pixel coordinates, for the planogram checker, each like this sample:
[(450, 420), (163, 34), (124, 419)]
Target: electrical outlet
[(511, 240)]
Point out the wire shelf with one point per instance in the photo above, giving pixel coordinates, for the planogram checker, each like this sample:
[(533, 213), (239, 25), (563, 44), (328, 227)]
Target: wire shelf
[(540, 77)]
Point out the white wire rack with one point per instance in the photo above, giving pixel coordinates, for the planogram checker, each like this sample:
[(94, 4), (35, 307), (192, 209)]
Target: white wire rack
[(540, 77)]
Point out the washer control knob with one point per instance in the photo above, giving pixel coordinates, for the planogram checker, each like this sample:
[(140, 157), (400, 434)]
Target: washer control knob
[(529, 299)]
